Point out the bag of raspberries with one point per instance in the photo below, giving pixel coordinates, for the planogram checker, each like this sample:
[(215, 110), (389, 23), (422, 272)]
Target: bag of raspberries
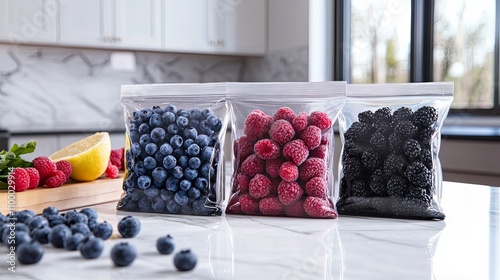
[(389, 164), (283, 148), (174, 160)]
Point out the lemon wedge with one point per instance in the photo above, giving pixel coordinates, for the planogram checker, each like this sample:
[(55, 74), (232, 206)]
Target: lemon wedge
[(88, 157)]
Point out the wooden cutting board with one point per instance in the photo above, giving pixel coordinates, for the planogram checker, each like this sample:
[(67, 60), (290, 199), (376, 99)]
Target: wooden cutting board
[(68, 196)]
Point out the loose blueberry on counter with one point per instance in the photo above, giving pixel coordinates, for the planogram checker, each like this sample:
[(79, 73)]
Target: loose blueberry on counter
[(129, 227), (41, 234), (103, 230), (49, 211), (90, 213), (165, 245), (185, 260), (24, 215), (19, 238), (58, 234), (71, 243), (55, 220), (77, 218), (81, 228), (123, 254), (36, 222), (92, 248), (29, 252)]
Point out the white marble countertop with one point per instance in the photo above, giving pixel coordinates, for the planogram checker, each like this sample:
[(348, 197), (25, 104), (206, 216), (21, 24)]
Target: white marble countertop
[(466, 245)]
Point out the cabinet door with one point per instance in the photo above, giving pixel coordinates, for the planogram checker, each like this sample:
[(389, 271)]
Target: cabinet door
[(28, 20), (138, 23), (82, 22), (189, 26)]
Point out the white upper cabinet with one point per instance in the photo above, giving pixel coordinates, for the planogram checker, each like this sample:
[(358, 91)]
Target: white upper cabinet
[(28, 21), (138, 23), (216, 26), (82, 22)]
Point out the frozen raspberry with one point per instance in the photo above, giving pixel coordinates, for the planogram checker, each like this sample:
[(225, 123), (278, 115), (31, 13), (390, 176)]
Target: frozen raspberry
[(116, 158), (319, 152), (65, 167), (248, 205), (324, 137), (284, 113), (56, 180), (296, 151), (34, 177), (311, 136), (270, 205), (252, 165), (312, 167), (281, 131), (316, 187), (259, 186), (296, 209), (242, 147), (289, 171), (257, 124), (242, 181), (299, 123), (45, 167), (234, 206), (112, 170), (267, 149), (320, 119), (289, 192), (19, 179), (273, 166), (319, 208)]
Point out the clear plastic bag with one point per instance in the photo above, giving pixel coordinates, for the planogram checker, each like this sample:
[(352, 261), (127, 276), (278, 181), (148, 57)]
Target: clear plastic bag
[(283, 148), (174, 160), (389, 162)]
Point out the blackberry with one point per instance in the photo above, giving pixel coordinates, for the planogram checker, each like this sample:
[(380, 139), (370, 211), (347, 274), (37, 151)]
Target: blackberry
[(418, 174), (420, 194), (378, 141), (402, 114), (382, 115), (425, 134), (383, 127), (425, 116), (405, 129), (353, 150), (426, 157), (358, 132), (370, 159), (352, 168), (359, 188), (395, 143), (366, 117), (394, 164), (377, 183), (396, 186), (343, 187), (411, 148)]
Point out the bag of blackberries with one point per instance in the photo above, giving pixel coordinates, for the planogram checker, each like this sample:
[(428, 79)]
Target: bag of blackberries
[(283, 148), (174, 156), (389, 165)]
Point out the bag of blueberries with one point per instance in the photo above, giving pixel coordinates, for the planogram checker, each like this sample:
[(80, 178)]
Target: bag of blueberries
[(175, 134), (389, 163), (283, 148)]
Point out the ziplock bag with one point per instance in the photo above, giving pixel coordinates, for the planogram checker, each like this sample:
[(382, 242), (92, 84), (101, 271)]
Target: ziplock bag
[(389, 162), (283, 148), (173, 161)]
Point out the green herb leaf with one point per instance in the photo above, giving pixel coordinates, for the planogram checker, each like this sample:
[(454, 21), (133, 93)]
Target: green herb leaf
[(25, 148)]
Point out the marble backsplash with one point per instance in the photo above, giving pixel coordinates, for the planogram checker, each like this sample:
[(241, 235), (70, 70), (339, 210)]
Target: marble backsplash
[(61, 89)]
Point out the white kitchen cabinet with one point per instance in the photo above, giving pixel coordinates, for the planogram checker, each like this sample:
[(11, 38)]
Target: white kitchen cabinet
[(138, 23), (28, 21), (82, 22), (216, 26)]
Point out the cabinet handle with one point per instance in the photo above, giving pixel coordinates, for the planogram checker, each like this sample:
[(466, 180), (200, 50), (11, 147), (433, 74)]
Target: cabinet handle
[(118, 39), (220, 42)]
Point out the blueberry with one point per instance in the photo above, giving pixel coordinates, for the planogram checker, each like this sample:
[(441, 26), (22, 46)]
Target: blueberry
[(207, 153), (187, 143), (146, 114), (24, 215), (21, 227), (181, 198), (202, 140), (81, 228), (182, 122), (136, 149), (165, 245), (151, 149), (166, 195), (212, 120), (185, 185), (183, 113), (194, 193), (90, 213), (135, 194), (55, 220), (195, 113), (158, 204), (190, 133), (185, 260), (170, 108), (136, 116), (123, 254), (173, 207), (193, 150), (103, 230), (144, 182), (201, 183), (166, 149), (129, 227), (92, 248), (149, 163), (169, 162), (206, 112), (179, 152), (144, 140), (19, 238), (29, 252), (194, 162), (176, 141), (194, 123), (77, 218), (200, 208), (217, 126), (131, 181), (157, 110), (186, 210), (36, 222), (178, 172), (144, 129), (172, 184), (158, 134), (207, 170), (144, 204), (190, 173), (183, 161), (159, 175), (72, 242), (168, 118), (155, 120), (173, 129), (139, 169), (93, 222), (152, 192), (58, 234), (41, 235), (133, 126), (51, 210), (204, 128), (159, 157)]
